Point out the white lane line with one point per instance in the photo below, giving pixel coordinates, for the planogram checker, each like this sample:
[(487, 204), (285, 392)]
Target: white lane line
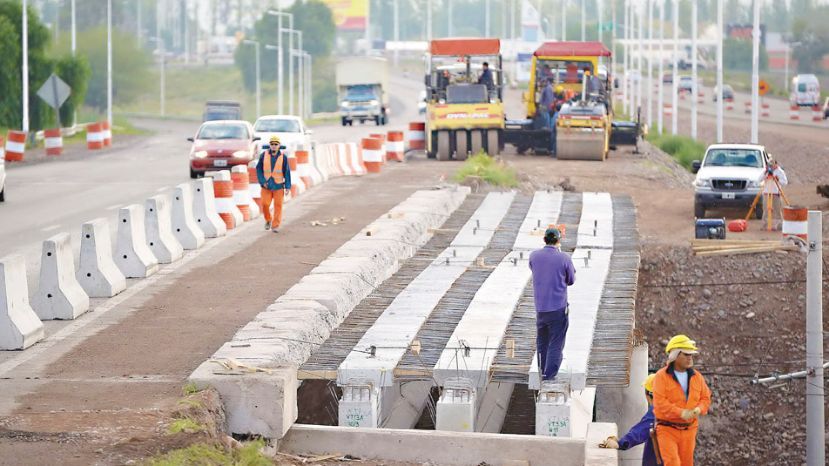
[(50, 227)]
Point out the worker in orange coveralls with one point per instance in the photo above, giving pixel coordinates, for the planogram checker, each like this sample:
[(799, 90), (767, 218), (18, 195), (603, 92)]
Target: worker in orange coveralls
[(680, 397)]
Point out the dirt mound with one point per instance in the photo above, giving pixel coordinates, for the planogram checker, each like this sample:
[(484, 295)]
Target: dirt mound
[(747, 313)]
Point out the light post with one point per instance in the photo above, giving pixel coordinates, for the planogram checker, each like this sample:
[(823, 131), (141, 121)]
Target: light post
[(428, 20), (279, 61), (719, 71), (583, 21), (309, 89), (300, 81), (649, 85), (755, 76), (278, 51), (486, 17), (396, 32), (25, 31), (674, 71), (694, 75), (109, 62), (291, 33), (74, 38), (787, 59), (161, 70), (449, 18), (563, 20), (660, 104), (255, 43)]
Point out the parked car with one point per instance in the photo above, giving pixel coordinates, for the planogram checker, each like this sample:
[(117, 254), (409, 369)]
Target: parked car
[(2, 180), (686, 84), (805, 90), (290, 129), (220, 145), (730, 175), (727, 92), (222, 110)]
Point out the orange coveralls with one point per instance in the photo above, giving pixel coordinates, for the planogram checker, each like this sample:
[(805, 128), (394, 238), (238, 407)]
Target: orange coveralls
[(677, 437)]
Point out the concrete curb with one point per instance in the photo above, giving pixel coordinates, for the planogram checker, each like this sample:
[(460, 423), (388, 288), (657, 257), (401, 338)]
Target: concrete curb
[(283, 336)]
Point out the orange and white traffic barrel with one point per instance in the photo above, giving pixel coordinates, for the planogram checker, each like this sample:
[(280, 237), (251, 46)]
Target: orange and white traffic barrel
[(15, 146), (395, 147), (700, 97), (795, 221), (729, 103), (94, 136), (765, 111), (417, 135), (253, 186), (53, 141), (748, 107), (241, 190), (372, 149), (223, 192), (794, 112), (105, 126), (303, 171), (669, 109), (817, 114), (382, 138)]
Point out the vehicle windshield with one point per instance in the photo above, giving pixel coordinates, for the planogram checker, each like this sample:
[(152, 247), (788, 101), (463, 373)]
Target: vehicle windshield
[(562, 71), (223, 132), (801, 87), (275, 125), (360, 93), (733, 158), (466, 94)]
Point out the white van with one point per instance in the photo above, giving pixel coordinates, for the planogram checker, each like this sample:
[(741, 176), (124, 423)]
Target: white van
[(805, 90)]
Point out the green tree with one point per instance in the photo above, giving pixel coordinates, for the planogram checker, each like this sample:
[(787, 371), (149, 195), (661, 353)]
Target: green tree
[(9, 74), (813, 38)]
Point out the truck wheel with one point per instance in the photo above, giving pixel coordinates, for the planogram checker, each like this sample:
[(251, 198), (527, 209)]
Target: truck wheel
[(477, 141), (699, 210), (443, 152), (193, 174), (493, 143), (461, 145)]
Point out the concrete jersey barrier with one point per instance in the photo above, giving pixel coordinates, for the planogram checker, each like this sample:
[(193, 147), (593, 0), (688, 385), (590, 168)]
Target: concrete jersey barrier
[(59, 294), (19, 326), (159, 231), (132, 255), (184, 225), (97, 272)]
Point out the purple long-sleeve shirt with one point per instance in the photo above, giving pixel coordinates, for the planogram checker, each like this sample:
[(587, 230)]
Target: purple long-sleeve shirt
[(553, 272)]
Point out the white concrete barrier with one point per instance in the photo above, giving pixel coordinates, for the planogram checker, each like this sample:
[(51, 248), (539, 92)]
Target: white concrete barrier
[(204, 209), (19, 326), (159, 230), (184, 225), (132, 255), (97, 272), (59, 295), (318, 175)]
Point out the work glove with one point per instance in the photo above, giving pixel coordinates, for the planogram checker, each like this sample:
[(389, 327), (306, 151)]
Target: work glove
[(611, 442), (688, 414), (697, 411)]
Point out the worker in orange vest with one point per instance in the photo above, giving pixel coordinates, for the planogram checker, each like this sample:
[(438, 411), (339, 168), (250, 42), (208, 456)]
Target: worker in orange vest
[(274, 176), (680, 397)]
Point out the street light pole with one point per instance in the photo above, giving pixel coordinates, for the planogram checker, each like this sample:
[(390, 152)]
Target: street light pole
[(719, 71), (674, 71), (279, 61), (694, 75), (25, 30), (660, 104), (309, 88), (583, 20), (486, 17), (255, 43), (815, 436), (74, 38), (755, 76), (396, 12), (429, 20), (449, 18), (563, 20), (291, 32), (649, 85), (162, 58), (109, 61)]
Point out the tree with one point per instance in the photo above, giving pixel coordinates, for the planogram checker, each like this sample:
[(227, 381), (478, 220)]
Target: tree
[(813, 38), (737, 55)]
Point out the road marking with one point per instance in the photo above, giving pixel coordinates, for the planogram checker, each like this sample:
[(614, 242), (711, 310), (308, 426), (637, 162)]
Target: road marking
[(50, 227)]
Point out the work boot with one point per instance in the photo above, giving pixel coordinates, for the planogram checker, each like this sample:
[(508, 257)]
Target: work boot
[(275, 230), (267, 225)]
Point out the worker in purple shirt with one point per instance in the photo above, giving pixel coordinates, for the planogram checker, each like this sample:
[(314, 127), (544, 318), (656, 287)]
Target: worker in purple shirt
[(553, 272)]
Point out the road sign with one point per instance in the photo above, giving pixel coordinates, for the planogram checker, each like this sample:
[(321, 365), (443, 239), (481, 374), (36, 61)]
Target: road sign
[(54, 91), (765, 87)]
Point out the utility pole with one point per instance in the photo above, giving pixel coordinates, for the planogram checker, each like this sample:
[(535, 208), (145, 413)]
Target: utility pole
[(563, 20), (309, 63), (396, 32), (109, 61), (449, 18), (186, 19), (815, 441), (25, 33), (649, 6), (600, 14), (74, 32), (255, 43), (719, 71), (674, 71), (137, 21), (428, 20), (660, 104), (626, 48), (162, 58), (694, 75), (583, 21), (280, 83), (755, 76), (486, 18), (639, 58)]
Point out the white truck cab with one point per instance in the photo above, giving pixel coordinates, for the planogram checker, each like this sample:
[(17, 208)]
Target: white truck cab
[(730, 175)]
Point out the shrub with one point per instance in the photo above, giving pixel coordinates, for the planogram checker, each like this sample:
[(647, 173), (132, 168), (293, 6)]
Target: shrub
[(488, 169)]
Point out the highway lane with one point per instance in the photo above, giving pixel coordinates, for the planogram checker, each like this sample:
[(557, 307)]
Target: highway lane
[(59, 195)]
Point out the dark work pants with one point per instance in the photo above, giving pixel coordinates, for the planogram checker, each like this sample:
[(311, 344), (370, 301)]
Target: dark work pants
[(551, 333)]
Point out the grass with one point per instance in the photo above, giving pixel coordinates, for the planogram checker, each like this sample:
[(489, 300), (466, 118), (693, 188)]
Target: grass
[(202, 454), (488, 169), (684, 149), (185, 425), (189, 388)]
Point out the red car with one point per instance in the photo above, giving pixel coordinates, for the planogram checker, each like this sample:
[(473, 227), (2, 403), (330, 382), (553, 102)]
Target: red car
[(219, 145)]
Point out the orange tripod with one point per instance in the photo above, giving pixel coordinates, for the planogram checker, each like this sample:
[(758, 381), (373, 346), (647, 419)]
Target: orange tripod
[(769, 200)]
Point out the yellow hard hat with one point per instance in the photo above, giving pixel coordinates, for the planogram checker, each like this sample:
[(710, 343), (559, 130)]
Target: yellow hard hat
[(648, 383), (275, 140), (682, 343), (559, 89)]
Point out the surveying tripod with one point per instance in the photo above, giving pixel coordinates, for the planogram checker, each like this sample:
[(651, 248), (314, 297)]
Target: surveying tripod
[(769, 199)]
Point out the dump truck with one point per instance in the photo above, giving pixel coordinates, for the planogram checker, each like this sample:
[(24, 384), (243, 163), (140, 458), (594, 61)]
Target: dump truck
[(585, 129), (464, 113), (363, 90)]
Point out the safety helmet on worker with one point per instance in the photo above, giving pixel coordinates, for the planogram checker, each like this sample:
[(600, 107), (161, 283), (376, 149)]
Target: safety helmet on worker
[(648, 383), (275, 140), (682, 343), (559, 89)]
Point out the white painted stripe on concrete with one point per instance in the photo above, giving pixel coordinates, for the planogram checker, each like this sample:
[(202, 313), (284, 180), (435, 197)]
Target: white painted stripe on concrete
[(486, 319), (395, 329), (16, 147), (544, 211), (596, 217), (584, 297)]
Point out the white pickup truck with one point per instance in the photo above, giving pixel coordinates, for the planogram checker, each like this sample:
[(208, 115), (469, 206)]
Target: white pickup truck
[(730, 175)]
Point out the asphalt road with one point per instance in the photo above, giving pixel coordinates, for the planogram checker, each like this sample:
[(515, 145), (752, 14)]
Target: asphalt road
[(46, 197)]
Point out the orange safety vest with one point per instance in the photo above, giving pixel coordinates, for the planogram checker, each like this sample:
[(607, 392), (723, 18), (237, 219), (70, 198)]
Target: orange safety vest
[(273, 172)]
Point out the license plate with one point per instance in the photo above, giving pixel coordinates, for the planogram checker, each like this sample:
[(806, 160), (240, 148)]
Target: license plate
[(220, 163), (728, 195)]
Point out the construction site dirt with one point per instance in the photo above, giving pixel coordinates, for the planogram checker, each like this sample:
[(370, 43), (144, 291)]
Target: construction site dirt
[(111, 398)]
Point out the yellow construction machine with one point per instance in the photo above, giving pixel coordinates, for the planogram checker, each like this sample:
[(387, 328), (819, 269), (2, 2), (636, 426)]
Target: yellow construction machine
[(464, 107), (585, 129)]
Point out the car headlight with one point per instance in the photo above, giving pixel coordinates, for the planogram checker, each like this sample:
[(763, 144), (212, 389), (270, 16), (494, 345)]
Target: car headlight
[(702, 183), (241, 154), (200, 154), (374, 102), (344, 103)]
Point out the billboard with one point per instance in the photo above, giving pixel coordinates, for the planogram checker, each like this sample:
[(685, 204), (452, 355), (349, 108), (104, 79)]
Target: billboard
[(349, 15)]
